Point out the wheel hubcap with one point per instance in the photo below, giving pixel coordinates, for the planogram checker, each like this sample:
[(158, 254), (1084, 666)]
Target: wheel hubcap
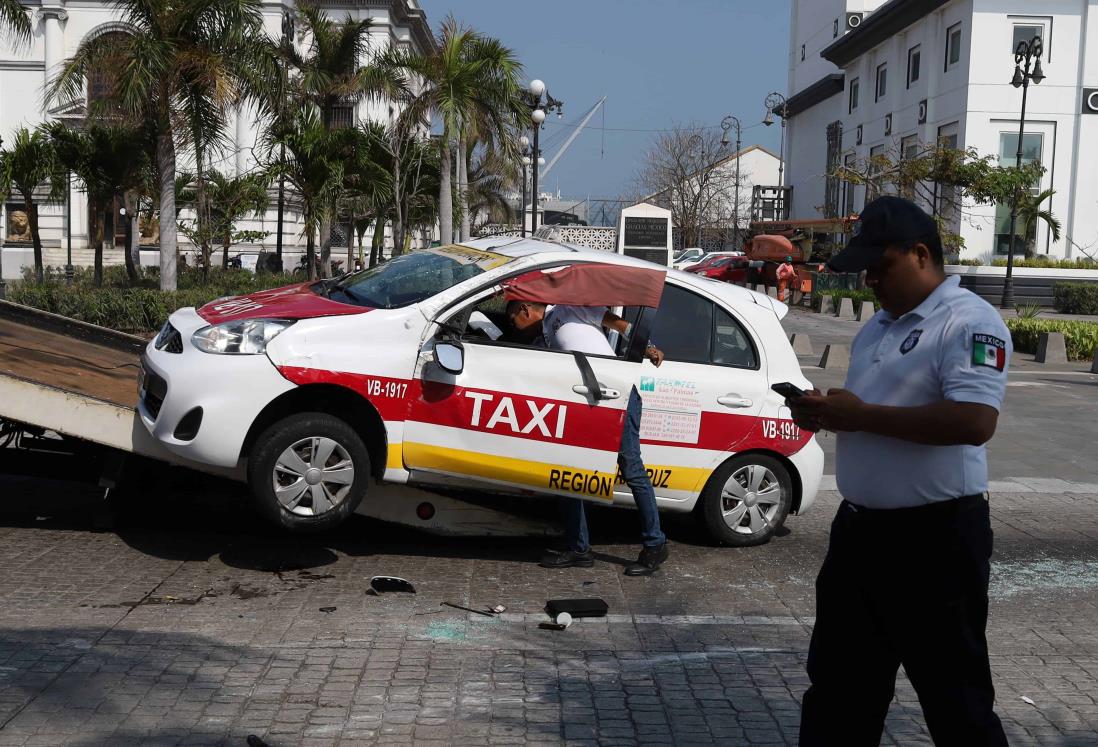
[(313, 476), (751, 499)]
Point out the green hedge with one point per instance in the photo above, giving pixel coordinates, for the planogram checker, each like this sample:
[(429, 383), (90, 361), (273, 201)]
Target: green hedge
[(143, 309), (863, 294), (1050, 263), (1075, 298), (1080, 338)]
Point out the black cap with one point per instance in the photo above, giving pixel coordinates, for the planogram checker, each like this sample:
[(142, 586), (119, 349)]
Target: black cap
[(887, 221)]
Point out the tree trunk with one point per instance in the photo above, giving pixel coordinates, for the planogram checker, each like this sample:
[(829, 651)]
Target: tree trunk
[(463, 189), (165, 163), (36, 239), (107, 242), (326, 246), (350, 242), (201, 209), (133, 238), (310, 250), (379, 239), (445, 193)]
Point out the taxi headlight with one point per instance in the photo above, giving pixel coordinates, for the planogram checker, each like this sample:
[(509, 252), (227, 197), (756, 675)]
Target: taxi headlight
[(242, 337)]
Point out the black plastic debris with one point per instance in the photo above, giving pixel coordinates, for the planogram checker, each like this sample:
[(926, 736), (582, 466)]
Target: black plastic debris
[(254, 741), (388, 584), (327, 609), (590, 607)]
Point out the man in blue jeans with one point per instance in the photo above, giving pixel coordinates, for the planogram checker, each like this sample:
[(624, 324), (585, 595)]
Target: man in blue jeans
[(581, 328)]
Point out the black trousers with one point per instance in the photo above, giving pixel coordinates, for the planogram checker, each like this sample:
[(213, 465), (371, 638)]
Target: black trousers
[(906, 586)]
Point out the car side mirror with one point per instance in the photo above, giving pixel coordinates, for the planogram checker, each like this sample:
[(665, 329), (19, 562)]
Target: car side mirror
[(450, 356)]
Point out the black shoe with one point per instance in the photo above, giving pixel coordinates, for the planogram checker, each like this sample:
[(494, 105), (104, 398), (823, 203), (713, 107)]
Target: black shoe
[(648, 562), (567, 559)]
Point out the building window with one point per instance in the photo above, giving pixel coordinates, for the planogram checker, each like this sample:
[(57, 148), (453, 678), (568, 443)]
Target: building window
[(953, 47), (914, 58), (832, 192), (342, 117), (1025, 29), (1032, 148), (946, 194), (882, 82), (853, 96), (909, 149)]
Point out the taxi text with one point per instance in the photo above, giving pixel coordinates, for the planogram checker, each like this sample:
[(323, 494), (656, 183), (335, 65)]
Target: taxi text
[(548, 418), (586, 483)]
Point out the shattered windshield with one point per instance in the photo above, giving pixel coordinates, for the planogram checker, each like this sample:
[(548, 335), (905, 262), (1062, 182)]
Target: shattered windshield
[(410, 278)]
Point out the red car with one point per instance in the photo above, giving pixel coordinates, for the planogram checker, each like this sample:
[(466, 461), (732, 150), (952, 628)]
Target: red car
[(725, 269)]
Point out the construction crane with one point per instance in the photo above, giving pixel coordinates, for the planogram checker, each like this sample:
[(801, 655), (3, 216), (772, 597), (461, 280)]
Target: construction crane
[(572, 137)]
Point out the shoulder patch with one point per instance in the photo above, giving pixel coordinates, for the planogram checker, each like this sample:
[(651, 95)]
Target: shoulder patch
[(988, 350)]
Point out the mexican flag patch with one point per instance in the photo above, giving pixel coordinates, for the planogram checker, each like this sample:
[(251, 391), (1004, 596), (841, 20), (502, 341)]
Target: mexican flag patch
[(988, 351)]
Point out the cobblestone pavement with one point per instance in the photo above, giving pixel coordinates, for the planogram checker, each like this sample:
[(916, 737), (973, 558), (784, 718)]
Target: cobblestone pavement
[(188, 622)]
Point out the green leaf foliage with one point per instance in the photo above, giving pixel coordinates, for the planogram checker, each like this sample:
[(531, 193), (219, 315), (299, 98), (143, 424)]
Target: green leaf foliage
[(1075, 298), (1080, 338)]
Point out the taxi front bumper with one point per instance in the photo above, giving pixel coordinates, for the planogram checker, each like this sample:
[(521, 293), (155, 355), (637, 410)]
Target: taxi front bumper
[(200, 406)]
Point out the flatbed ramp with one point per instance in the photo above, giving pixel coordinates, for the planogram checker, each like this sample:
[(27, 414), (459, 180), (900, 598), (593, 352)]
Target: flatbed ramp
[(72, 378)]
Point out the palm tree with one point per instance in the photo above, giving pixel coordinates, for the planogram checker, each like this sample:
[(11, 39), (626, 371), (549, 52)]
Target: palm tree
[(1031, 213), (104, 158), (331, 77), (181, 61), (314, 167), (30, 163), (14, 19), (471, 82), (232, 199), (491, 177)]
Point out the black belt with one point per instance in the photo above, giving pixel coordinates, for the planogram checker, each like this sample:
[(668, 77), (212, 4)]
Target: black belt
[(938, 507)]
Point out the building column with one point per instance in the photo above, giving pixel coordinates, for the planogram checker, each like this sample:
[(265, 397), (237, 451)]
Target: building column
[(53, 41), (240, 117)]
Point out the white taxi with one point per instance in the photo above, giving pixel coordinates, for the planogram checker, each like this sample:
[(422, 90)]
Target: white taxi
[(401, 380)]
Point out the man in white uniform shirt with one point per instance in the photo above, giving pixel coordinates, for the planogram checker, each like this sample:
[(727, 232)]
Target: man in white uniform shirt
[(905, 580), (581, 328)]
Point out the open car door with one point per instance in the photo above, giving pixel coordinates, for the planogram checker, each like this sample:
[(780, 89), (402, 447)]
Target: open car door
[(524, 416)]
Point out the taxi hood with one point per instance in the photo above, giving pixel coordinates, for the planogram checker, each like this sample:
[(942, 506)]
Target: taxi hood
[(290, 302)]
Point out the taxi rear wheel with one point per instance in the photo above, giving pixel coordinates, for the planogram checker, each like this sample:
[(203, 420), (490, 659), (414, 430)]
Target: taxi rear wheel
[(309, 472), (747, 499)]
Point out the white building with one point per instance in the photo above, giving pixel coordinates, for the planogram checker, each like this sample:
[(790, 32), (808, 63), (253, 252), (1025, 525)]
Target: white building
[(59, 28), (867, 77), (726, 206)]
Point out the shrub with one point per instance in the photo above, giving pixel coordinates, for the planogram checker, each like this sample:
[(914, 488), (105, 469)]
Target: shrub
[(1075, 298), (1080, 338), (863, 294), (1050, 263), (969, 262), (140, 310)]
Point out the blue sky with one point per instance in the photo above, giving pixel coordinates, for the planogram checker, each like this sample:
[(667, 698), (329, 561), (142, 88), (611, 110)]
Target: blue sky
[(659, 63)]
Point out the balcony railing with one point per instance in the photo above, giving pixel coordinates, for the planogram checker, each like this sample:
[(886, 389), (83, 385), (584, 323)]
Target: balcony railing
[(770, 203)]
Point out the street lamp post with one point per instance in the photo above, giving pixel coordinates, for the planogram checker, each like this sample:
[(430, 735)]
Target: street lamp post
[(524, 143), (775, 101), (727, 124), (287, 36), (537, 89), (1026, 54), (3, 231), (68, 228)]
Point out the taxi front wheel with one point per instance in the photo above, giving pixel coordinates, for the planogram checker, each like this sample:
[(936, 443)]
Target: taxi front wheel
[(308, 472), (747, 499)]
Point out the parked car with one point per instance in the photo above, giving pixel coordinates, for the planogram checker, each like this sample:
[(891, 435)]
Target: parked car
[(725, 269), (398, 380), (687, 257)]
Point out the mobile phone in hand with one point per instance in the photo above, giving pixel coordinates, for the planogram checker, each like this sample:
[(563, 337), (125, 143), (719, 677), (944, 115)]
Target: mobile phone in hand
[(787, 390)]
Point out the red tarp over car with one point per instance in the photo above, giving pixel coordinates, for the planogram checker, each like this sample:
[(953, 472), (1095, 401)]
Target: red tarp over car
[(589, 285)]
